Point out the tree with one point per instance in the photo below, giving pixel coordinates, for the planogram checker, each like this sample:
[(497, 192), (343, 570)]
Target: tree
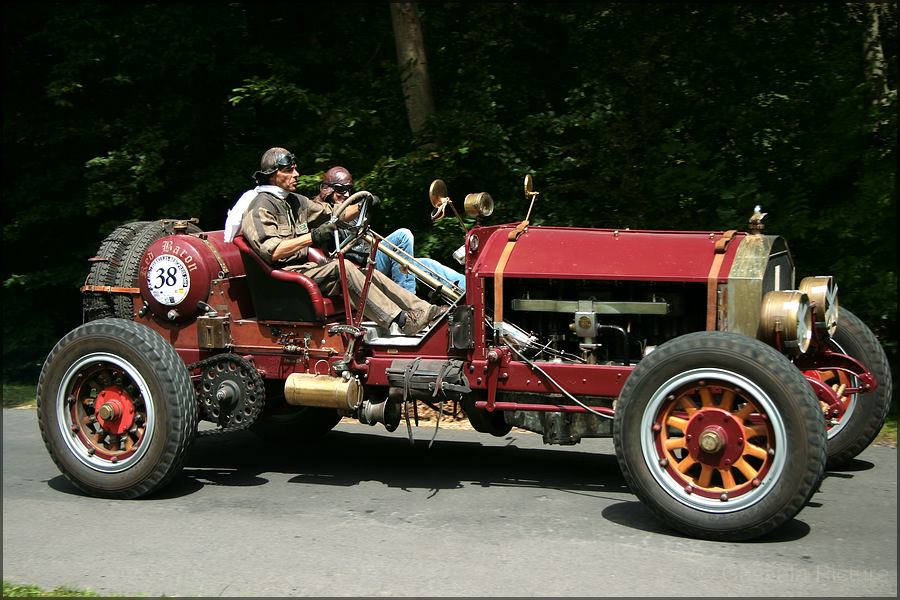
[(413, 64), (875, 63)]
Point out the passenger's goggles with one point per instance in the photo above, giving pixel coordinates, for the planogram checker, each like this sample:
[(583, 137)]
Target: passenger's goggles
[(341, 188)]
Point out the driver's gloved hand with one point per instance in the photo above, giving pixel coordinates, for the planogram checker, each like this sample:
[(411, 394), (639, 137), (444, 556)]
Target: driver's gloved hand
[(323, 235), (374, 201)]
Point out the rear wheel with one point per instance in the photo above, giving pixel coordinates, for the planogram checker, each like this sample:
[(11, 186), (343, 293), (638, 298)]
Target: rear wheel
[(720, 436), (116, 408), (853, 426), (282, 423), (483, 421)]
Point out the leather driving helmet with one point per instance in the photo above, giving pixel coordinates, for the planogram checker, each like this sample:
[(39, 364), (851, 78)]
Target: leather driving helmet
[(272, 160)]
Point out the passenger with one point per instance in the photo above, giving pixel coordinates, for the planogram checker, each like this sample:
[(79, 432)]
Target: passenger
[(335, 187), (280, 225)]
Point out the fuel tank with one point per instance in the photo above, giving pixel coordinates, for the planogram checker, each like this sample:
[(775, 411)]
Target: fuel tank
[(177, 270)]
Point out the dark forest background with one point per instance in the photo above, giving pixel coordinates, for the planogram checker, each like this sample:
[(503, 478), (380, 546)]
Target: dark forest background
[(640, 115)]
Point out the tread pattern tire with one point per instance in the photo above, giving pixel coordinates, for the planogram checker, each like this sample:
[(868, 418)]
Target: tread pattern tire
[(283, 424), (114, 356), (870, 410), (104, 271), (118, 263), (793, 452)]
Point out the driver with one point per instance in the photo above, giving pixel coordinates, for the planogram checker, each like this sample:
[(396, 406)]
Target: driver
[(335, 187), (277, 225)]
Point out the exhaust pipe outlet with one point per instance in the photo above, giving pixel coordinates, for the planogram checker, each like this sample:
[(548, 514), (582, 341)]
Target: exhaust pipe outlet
[(309, 389), (386, 412)]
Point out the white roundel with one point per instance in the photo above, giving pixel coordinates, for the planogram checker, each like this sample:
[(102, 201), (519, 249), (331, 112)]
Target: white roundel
[(168, 279)]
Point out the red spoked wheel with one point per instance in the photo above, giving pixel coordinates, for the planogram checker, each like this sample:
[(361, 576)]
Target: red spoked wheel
[(106, 412), (715, 438), (853, 420), (116, 408), (838, 411)]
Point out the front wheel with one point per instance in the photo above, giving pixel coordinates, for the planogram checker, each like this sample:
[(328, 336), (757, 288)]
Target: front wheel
[(116, 408), (861, 416), (720, 436)]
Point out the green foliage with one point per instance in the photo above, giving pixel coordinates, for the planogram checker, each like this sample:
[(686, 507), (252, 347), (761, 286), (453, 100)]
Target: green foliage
[(664, 115)]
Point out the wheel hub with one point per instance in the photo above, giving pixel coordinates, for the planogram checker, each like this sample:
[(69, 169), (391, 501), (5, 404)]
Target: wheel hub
[(712, 440), (114, 410), (714, 437)]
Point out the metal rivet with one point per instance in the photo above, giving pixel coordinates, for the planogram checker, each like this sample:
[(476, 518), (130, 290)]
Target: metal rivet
[(724, 497), (664, 462)]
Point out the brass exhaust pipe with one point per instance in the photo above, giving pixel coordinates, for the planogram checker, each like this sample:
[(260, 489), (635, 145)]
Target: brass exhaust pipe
[(309, 389)]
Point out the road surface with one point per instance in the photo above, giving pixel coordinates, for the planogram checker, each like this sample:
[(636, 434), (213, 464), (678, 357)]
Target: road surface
[(363, 513)]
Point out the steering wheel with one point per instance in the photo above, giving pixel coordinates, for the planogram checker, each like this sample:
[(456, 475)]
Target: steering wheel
[(357, 228)]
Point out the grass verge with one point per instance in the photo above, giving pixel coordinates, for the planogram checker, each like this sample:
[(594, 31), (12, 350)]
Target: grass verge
[(15, 590), (15, 395)]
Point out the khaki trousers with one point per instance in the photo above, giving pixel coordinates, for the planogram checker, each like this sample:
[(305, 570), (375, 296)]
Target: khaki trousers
[(384, 301)]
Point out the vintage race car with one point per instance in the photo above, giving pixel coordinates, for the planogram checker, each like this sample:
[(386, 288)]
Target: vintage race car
[(725, 385)]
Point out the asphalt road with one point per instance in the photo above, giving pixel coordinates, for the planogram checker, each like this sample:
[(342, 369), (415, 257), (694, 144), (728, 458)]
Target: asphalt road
[(362, 513)]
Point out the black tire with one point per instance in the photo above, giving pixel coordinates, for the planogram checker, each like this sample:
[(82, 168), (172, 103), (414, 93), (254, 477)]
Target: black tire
[(284, 424), (104, 271), (118, 263), (483, 421), (720, 436), (865, 414), (135, 442)]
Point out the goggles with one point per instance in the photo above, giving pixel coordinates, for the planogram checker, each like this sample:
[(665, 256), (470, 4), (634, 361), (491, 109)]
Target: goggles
[(284, 161), (341, 188)]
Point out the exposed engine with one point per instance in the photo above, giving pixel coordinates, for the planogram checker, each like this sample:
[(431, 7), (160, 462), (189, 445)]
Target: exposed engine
[(597, 322)]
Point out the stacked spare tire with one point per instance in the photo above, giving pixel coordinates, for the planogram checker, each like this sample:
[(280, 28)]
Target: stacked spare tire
[(117, 265)]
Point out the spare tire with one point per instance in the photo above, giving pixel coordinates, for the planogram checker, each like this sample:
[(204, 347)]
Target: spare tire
[(117, 264)]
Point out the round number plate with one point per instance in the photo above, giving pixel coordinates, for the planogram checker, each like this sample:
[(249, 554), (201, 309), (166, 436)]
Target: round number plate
[(168, 279)]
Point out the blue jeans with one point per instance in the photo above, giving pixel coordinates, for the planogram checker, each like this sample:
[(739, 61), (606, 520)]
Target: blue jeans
[(403, 239), (446, 272)]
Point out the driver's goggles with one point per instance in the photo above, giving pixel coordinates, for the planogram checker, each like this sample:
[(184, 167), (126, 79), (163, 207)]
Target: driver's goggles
[(284, 161), (341, 188)]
